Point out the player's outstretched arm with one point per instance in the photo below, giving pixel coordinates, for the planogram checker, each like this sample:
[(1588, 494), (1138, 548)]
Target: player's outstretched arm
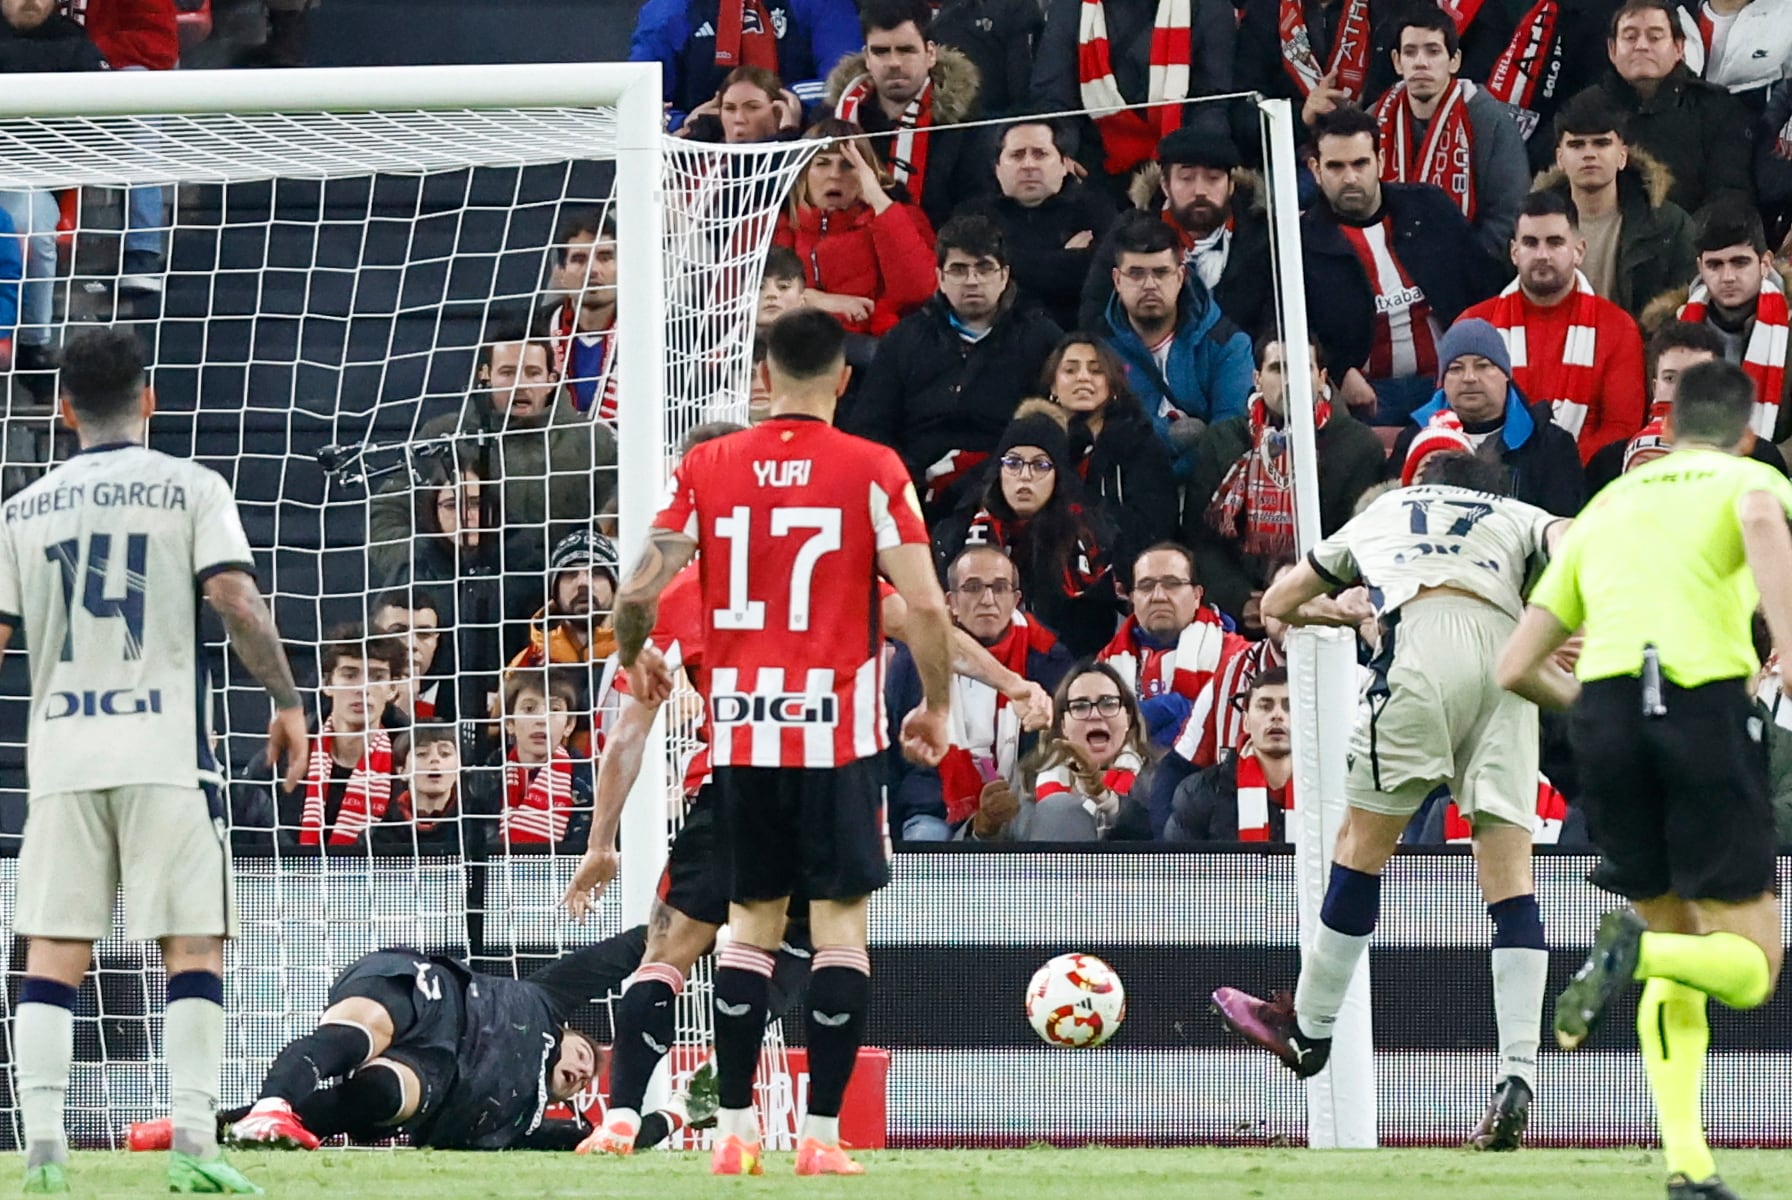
[(909, 566), (616, 776), (638, 602), (1527, 665), (1299, 596), (1768, 544), (1032, 703), (239, 603)]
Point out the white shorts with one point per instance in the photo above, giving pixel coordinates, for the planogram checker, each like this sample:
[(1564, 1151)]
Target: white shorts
[(164, 845), (1435, 715)]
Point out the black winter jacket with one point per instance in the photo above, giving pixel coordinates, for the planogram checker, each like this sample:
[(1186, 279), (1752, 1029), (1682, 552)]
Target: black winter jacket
[(1699, 132), (59, 44), (1043, 269), (1541, 456)]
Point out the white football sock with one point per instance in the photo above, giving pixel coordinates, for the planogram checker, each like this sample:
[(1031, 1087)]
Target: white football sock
[(193, 1038), (44, 1047), (741, 1122), (1520, 976), (825, 1130), (1325, 970)]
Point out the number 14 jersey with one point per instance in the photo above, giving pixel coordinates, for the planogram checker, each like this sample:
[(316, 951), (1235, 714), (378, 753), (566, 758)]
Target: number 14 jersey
[(789, 518), (101, 562)]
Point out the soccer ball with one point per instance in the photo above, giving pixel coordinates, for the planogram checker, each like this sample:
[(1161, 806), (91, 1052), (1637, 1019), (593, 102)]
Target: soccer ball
[(1075, 1000)]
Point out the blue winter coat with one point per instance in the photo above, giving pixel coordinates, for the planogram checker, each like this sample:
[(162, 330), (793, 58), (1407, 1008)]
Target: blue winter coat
[(12, 269), (680, 35), (1209, 371)]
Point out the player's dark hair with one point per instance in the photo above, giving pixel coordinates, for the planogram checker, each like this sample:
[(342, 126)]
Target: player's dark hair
[(781, 262), (880, 16), (1729, 223), (102, 375), (1346, 120), (1054, 749), (1712, 403), (1169, 547), (806, 344), (1592, 112), (1268, 677), (429, 735), (1454, 468), (1547, 202), (351, 641), (550, 683), (972, 235), (1431, 19), (1121, 400), (1047, 123), (952, 567), (709, 431), (409, 599), (1683, 335), (1631, 8), (1143, 233), (591, 223)]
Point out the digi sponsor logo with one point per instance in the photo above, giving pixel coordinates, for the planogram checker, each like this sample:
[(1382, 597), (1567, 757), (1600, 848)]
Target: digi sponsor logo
[(792, 708), (117, 702)]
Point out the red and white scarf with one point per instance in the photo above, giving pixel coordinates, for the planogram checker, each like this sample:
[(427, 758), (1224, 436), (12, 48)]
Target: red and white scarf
[(1651, 438), (537, 800), (974, 754), (949, 470), (1184, 669), (745, 37), (1523, 67), (1350, 49), (1253, 797), (1255, 500), (565, 330), (1216, 722), (1403, 340), (1447, 157), (1764, 358), (908, 157), (1130, 137), (364, 798), (1552, 810), (1566, 380), (1089, 569), (1104, 803)]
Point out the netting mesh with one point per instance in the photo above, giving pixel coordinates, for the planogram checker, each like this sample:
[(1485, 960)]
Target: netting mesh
[(313, 292)]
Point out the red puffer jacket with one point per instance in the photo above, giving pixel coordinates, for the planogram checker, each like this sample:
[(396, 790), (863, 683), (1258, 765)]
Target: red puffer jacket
[(132, 33), (886, 257)]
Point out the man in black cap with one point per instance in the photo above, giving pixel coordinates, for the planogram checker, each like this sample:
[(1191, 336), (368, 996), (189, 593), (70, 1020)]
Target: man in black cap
[(1219, 214)]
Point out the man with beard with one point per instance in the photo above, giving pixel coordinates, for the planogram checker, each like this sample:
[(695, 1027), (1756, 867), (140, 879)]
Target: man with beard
[(573, 627), (584, 324), (1219, 217), (1576, 350)]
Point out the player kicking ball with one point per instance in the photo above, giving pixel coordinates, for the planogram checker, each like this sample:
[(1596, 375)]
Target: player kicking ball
[(1663, 572), (103, 561), (1445, 563), (795, 521)]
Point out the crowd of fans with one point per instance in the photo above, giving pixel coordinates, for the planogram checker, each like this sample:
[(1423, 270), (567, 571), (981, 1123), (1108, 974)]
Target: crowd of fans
[(1520, 222)]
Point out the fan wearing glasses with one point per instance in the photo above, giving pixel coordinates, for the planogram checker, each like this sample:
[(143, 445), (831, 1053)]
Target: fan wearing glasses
[(1079, 779), (1037, 515)]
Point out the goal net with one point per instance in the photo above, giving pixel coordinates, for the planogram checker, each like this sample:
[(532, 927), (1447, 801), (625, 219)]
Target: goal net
[(442, 330)]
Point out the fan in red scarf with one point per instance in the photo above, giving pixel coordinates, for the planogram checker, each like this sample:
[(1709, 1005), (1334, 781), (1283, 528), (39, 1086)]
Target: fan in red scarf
[(1265, 777), (1552, 810), (1446, 158), (907, 155), (538, 772), (584, 325), (986, 728), (1737, 290), (1254, 504), (1130, 137), (1347, 69), (349, 782), (745, 37), (365, 794), (1522, 73)]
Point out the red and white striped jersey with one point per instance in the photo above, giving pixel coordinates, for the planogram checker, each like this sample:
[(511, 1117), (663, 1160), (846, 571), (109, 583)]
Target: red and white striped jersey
[(789, 519), (678, 634), (1405, 336)]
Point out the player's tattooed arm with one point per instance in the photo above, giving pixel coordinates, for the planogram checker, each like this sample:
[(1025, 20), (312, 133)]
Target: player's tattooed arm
[(638, 602), (239, 603)]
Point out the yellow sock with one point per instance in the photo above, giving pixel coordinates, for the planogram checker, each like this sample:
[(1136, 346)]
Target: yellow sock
[(1725, 966), (1670, 1024)]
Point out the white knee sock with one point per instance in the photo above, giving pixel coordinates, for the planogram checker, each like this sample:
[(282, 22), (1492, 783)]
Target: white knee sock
[(1519, 978), (1325, 970), (44, 1045), (193, 1039)]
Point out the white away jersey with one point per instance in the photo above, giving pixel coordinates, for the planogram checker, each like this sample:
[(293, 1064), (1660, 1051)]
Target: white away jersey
[(1420, 537), (101, 562)]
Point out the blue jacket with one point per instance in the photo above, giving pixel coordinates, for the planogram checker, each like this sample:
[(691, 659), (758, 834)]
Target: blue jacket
[(1209, 372), (1541, 456), (680, 35), (12, 270)]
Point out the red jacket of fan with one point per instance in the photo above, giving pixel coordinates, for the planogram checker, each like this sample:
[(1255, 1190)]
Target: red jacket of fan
[(885, 257), (132, 33)]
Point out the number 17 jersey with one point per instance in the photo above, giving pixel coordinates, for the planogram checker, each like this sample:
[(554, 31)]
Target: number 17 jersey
[(789, 518)]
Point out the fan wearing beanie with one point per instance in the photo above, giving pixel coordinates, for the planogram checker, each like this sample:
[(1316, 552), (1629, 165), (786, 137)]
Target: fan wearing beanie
[(1477, 399), (1032, 507)]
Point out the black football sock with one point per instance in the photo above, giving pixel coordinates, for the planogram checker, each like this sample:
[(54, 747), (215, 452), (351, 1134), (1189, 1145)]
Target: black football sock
[(743, 979), (328, 1052), (839, 993), (645, 1025), (365, 1106)]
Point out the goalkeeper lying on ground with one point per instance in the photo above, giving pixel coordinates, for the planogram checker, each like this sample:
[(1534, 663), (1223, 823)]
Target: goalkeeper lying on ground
[(421, 1045)]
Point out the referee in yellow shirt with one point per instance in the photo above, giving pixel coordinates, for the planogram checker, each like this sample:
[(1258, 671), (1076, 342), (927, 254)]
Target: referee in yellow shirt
[(1662, 573)]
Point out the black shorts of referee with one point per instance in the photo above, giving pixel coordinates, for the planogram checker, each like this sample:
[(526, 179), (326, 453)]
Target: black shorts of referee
[(1678, 803)]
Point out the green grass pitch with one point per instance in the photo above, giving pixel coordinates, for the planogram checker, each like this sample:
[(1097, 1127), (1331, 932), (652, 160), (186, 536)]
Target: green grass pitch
[(949, 1174)]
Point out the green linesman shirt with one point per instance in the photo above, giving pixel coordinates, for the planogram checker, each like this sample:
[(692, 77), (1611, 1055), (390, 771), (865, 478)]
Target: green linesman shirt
[(1657, 559)]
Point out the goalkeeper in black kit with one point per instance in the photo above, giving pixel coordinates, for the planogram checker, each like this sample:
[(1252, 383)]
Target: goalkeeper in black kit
[(422, 1045)]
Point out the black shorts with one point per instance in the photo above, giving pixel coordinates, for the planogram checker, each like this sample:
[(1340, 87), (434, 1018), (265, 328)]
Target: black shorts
[(818, 833), (1679, 803), (428, 1004), (694, 882)]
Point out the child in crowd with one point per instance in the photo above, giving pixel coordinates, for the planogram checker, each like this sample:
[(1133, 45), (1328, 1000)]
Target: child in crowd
[(545, 789)]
